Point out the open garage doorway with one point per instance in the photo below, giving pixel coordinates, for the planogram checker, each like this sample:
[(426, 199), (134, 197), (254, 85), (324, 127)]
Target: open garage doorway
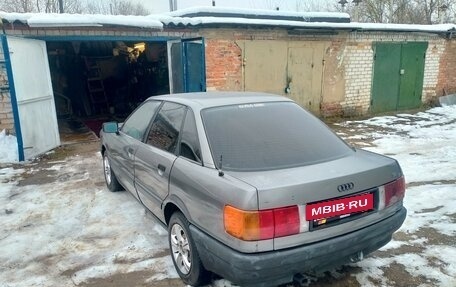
[(63, 90), (99, 81)]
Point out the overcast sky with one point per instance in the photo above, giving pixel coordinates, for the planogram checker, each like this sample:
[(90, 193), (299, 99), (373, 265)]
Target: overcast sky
[(158, 6)]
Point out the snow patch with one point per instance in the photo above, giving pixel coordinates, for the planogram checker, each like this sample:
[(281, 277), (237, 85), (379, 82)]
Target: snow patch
[(393, 244), (428, 207), (418, 266), (84, 231), (445, 254), (372, 269), (8, 148), (423, 146), (423, 143)]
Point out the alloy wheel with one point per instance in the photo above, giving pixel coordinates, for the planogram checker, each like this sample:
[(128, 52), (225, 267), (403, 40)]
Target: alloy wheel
[(180, 249), (107, 169)]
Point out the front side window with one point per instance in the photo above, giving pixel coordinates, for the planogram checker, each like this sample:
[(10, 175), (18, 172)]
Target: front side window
[(189, 144), (268, 136), (165, 130), (136, 125)]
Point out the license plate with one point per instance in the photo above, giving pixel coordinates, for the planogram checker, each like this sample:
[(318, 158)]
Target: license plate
[(342, 206)]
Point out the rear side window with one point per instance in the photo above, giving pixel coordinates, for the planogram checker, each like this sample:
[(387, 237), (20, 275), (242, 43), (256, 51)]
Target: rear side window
[(165, 130), (267, 136), (189, 144), (136, 125)]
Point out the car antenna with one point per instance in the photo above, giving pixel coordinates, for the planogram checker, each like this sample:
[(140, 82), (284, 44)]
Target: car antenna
[(220, 171)]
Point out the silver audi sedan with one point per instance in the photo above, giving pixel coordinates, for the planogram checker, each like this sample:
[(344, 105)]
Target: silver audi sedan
[(252, 187)]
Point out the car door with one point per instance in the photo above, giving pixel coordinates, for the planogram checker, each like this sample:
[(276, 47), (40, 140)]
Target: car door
[(154, 159), (122, 150)]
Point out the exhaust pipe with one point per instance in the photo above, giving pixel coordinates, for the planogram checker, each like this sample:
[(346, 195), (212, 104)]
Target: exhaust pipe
[(358, 256), (303, 280)]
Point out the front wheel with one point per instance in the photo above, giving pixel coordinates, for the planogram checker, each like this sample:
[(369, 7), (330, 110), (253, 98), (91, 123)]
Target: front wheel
[(183, 251), (110, 178)]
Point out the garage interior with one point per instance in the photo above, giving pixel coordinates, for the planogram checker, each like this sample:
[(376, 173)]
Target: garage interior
[(99, 81)]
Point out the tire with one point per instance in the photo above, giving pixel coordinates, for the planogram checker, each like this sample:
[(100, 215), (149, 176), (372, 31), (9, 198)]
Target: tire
[(183, 251), (110, 178)]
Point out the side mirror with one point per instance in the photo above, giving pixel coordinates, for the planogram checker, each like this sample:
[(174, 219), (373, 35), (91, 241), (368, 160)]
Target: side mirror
[(111, 127)]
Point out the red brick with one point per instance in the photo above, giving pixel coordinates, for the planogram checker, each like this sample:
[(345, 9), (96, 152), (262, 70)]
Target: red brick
[(447, 72), (223, 65)]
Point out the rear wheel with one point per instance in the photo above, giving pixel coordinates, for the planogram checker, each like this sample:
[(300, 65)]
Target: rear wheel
[(110, 178), (183, 251)]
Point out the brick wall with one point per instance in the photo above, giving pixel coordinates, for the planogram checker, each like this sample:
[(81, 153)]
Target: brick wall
[(347, 79), (223, 65), (333, 90), (6, 112), (434, 60), (358, 61), (447, 72)]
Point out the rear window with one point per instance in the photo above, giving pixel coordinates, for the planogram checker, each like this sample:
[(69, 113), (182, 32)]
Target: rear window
[(267, 136)]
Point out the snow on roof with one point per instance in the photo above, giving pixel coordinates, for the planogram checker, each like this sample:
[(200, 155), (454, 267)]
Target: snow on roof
[(220, 17), (404, 27), (11, 17), (256, 13), (80, 20), (195, 21)]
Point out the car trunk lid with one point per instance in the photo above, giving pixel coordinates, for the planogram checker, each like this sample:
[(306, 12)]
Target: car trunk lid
[(358, 172)]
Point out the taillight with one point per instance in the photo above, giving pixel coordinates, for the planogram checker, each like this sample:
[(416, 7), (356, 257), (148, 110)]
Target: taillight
[(394, 191), (249, 225), (263, 224), (286, 221)]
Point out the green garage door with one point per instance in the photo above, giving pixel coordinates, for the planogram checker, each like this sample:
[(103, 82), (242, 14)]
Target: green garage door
[(398, 76)]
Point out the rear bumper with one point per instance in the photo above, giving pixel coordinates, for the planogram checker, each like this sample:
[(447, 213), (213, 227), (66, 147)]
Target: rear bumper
[(278, 267)]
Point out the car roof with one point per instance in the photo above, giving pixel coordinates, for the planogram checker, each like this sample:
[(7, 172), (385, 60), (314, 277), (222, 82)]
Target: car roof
[(202, 100)]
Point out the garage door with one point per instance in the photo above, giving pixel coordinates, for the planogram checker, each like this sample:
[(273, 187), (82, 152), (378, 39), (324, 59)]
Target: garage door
[(265, 64), (35, 99), (292, 69), (398, 76), (304, 74), (187, 65)]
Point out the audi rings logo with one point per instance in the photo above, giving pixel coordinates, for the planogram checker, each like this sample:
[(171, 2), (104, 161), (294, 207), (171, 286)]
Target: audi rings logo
[(345, 187)]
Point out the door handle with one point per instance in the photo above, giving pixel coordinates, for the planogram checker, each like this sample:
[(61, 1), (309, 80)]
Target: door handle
[(161, 169), (130, 152)]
